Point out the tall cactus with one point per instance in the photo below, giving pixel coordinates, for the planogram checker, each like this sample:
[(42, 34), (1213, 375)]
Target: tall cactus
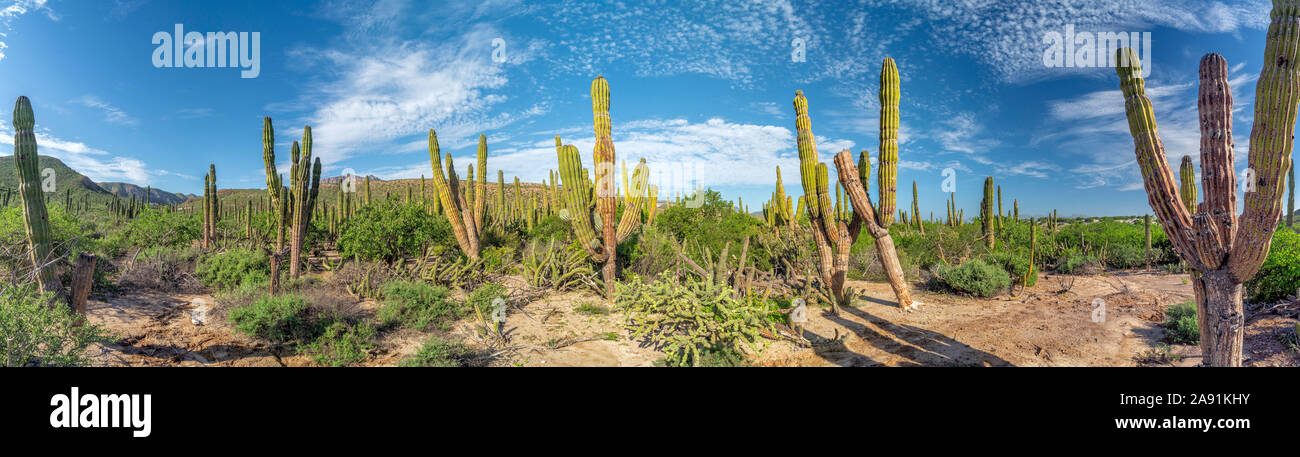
[(1225, 248), (36, 220), (1290, 200), (480, 195), (1146, 227), (916, 209), (1187, 175), (306, 185), (576, 184), (454, 205), (888, 167), (987, 218), (277, 201)]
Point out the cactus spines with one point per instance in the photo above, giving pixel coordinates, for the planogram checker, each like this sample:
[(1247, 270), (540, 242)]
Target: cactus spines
[(888, 166), (480, 197), (36, 220), (454, 206), (1187, 179), (1226, 250), (986, 214), (306, 186)]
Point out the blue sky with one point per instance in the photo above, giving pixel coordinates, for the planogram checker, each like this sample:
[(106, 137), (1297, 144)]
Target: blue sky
[(701, 90)]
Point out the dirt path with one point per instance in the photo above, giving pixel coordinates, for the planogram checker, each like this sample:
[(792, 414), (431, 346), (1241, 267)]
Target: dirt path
[(1052, 324), (161, 329)]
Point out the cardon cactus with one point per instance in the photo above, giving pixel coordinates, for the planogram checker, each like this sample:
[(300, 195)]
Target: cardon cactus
[(1187, 175), (1290, 200), (277, 201), (36, 220), (454, 205), (577, 186), (986, 214), (480, 194), (1225, 248), (306, 186), (888, 167), (916, 210)]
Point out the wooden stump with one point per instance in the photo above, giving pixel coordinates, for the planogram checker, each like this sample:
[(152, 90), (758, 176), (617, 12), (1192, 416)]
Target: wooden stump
[(83, 277)]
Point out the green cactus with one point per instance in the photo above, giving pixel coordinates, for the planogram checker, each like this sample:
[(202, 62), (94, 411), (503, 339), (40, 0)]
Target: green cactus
[(277, 201), (36, 219), (1146, 224), (986, 214), (888, 171), (458, 211), (1031, 277), (1290, 200), (1187, 174), (306, 186), (916, 210)]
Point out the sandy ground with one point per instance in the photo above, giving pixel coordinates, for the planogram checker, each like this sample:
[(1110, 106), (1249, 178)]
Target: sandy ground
[(1054, 323)]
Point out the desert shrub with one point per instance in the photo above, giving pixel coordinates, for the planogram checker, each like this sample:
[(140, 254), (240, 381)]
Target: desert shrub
[(556, 264), (974, 277), (498, 259), (68, 237), (550, 227), (227, 269), (1180, 324), (653, 253), (37, 331), (1074, 264), (685, 320), (154, 228), (483, 295), (1126, 256), (1015, 264), (713, 225), (591, 309), (282, 318), (417, 305), (162, 268), (390, 230), (1280, 274), (342, 344), (439, 352)]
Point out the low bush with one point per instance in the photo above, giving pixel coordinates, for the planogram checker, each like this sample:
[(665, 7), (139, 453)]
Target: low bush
[(1280, 274), (1180, 324), (417, 305), (282, 318), (1075, 264), (342, 344), (974, 277), (389, 230), (232, 268), (687, 320), (36, 331), (439, 352)]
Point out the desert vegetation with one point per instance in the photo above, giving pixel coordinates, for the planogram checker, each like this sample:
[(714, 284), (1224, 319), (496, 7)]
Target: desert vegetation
[(452, 271)]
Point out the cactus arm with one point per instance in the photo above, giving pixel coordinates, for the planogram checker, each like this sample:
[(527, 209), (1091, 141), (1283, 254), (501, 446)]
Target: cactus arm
[(1187, 184), (36, 220), (480, 195), (866, 214), (1276, 95), (445, 187)]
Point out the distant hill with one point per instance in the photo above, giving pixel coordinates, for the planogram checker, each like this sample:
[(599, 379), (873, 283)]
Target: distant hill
[(339, 179), (159, 196)]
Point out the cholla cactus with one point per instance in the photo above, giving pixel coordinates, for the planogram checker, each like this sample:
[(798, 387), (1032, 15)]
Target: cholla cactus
[(1225, 248)]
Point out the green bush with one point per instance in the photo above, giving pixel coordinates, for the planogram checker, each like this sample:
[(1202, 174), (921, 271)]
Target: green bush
[(230, 269), (390, 230), (34, 331), (152, 227), (687, 320), (482, 296), (342, 344), (1280, 274), (417, 305), (713, 225), (974, 277), (1074, 264), (438, 352), (1126, 256), (1181, 325), (282, 318), (550, 227)]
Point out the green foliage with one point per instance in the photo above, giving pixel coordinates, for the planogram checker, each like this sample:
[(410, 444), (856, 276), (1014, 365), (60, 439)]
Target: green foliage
[(153, 228), (439, 352), (1280, 274), (1074, 264), (712, 225), (342, 344), (482, 296), (1180, 324), (686, 320), (232, 268), (591, 309), (282, 318), (417, 305), (717, 356), (36, 331), (974, 277), (389, 230), (550, 227)]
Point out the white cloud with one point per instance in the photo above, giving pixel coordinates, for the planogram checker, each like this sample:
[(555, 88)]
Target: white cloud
[(112, 114), (96, 164)]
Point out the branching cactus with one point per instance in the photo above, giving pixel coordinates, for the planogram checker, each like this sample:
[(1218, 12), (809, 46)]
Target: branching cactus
[(577, 187), (1225, 248), (277, 199), (36, 220), (458, 211), (306, 185)]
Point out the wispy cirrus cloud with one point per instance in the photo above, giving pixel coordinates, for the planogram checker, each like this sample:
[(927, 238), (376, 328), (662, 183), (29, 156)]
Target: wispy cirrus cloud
[(97, 164), (112, 114)]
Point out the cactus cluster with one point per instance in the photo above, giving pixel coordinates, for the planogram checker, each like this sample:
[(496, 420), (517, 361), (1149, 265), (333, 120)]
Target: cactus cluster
[(36, 219), (304, 186)]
